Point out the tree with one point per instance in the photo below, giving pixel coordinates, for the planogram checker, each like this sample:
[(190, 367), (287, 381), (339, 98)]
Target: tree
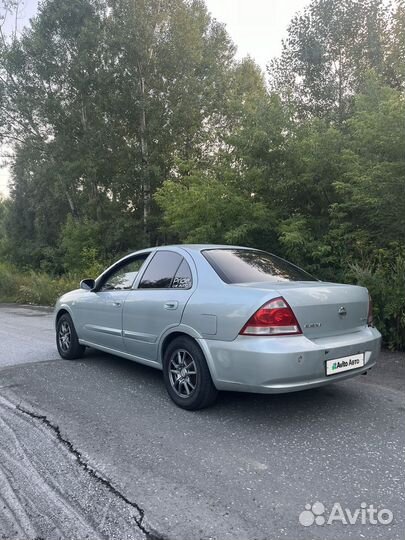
[(227, 197), (172, 63), (329, 48), (104, 97), (395, 47), (370, 213)]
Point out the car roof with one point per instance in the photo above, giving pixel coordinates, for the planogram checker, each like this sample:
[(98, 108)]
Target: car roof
[(187, 247), (201, 247)]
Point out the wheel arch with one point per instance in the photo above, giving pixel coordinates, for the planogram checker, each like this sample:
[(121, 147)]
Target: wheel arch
[(61, 311), (186, 331), (172, 334)]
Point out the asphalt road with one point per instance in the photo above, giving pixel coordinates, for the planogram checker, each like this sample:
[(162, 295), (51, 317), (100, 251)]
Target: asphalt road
[(95, 449)]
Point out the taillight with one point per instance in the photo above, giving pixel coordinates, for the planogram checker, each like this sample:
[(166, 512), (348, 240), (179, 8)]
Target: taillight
[(370, 320), (275, 318)]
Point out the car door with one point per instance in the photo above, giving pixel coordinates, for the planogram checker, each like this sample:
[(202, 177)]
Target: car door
[(101, 311), (157, 303)]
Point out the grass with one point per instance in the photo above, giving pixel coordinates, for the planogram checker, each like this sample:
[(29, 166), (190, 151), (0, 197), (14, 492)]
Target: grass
[(32, 287)]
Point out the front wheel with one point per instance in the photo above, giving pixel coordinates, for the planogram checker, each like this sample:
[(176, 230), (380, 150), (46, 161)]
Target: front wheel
[(186, 375), (67, 341)]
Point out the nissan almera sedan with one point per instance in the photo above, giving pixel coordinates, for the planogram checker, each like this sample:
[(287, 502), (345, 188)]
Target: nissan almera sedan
[(221, 318)]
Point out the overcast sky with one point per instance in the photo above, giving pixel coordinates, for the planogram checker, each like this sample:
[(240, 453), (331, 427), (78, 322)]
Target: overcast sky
[(256, 27)]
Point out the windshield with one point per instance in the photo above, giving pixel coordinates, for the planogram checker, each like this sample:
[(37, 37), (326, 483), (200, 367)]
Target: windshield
[(247, 265)]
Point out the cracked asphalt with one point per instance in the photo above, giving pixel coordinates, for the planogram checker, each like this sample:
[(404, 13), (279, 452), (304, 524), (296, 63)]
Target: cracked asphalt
[(95, 449)]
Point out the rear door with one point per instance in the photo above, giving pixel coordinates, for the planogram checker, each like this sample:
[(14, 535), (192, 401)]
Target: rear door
[(157, 303)]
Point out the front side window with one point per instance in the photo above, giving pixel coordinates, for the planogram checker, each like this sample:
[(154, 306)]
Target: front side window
[(250, 266), (123, 278), (161, 270)]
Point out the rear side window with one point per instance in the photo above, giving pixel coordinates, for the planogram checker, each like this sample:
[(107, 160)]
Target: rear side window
[(183, 278), (161, 270), (245, 266)]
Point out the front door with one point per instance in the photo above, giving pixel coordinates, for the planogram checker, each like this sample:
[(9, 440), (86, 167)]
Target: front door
[(100, 312), (156, 304)]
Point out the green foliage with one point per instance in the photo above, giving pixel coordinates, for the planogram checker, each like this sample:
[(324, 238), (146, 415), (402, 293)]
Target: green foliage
[(41, 289), (328, 50), (385, 279), (33, 287), (395, 47), (204, 209), (369, 213), (80, 247), (3, 236), (299, 243), (104, 97), (9, 283)]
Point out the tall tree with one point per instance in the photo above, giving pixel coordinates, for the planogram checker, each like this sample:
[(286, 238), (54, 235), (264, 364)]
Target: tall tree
[(111, 94), (171, 61), (395, 47), (370, 212), (329, 48), (229, 198)]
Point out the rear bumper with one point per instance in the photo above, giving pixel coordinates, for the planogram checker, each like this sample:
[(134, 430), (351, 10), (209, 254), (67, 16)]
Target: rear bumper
[(285, 364)]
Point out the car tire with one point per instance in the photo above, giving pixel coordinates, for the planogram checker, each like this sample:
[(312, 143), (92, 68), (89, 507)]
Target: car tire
[(67, 341), (186, 375)]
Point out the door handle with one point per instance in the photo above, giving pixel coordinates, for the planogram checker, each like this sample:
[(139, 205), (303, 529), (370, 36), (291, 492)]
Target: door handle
[(116, 304), (171, 305)]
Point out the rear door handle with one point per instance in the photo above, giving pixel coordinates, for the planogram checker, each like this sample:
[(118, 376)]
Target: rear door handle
[(171, 305), (116, 304)]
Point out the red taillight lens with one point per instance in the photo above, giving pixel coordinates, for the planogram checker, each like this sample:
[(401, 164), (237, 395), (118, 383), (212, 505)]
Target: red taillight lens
[(370, 320), (275, 318)]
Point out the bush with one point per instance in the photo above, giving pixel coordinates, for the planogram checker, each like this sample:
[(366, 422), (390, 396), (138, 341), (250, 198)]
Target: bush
[(10, 282), (385, 280), (33, 287), (41, 289)]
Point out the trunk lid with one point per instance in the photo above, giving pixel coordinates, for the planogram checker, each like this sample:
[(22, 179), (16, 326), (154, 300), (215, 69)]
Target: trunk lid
[(322, 309)]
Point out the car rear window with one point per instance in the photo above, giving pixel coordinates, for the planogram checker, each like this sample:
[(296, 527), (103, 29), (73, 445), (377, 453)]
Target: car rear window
[(249, 266)]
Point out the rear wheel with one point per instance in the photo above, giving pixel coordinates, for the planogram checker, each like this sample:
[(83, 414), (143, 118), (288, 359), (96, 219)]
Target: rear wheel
[(67, 341), (186, 375)]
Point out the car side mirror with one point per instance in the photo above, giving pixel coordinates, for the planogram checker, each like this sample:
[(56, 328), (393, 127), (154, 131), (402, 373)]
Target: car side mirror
[(87, 284)]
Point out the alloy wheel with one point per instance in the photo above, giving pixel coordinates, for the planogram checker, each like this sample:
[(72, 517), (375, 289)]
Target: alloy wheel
[(183, 373), (64, 336)]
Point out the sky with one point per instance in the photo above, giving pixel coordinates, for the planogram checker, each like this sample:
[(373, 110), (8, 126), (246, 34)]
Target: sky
[(255, 26)]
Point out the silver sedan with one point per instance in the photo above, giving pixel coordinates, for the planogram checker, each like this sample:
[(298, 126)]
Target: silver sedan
[(221, 318)]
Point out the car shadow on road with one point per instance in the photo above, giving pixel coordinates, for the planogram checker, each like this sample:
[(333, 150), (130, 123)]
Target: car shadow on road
[(324, 402)]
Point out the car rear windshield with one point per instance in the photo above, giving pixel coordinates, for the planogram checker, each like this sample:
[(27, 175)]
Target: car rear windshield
[(250, 266)]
